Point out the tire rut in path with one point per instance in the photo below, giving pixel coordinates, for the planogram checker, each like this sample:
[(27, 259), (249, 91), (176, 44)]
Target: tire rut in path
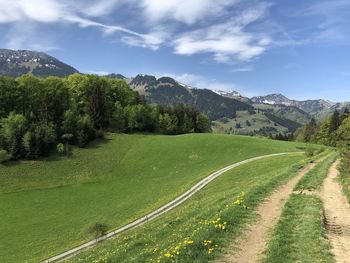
[(250, 246), (337, 216)]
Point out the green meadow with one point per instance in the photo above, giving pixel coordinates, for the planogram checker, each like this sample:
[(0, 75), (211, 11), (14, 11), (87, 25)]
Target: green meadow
[(203, 227), (48, 205)]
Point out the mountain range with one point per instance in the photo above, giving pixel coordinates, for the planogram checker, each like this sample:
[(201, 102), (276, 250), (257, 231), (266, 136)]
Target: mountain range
[(230, 111)]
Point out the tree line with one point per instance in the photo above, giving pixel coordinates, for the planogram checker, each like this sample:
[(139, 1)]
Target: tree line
[(39, 115), (333, 131)]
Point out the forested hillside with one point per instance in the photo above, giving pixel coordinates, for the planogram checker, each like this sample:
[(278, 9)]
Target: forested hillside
[(41, 115), (167, 91), (333, 131)]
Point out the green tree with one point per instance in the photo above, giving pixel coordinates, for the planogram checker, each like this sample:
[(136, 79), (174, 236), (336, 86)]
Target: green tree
[(85, 130), (343, 134), (32, 93), (309, 131), (203, 123), (4, 156), (12, 132), (10, 96), (55, 100), (39, 140)]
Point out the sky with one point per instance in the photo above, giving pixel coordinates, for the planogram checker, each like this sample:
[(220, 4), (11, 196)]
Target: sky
[(298, 48)]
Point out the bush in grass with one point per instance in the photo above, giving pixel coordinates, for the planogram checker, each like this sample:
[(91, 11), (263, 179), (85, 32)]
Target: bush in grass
[(98, 229), (61, 148), (310, 151), (66, 138), (4, 156)]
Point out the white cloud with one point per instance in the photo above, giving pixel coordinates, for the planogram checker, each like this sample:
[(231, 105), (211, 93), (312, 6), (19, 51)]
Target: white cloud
[(49, 11), (44, 11), (200, 82), (100, 8), (99, 72), (188, 26), (186, 11), (227, 41)]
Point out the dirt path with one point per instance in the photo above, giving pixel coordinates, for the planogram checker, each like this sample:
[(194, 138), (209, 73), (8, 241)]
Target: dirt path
[(164, 209), (337, 216), (251, 245)]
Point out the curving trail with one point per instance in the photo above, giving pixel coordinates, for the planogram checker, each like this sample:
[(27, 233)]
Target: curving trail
[(250, 246), (337, 216), (167, 207)]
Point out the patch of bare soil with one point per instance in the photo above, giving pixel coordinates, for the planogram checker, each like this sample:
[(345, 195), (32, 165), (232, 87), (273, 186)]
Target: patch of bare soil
[(337, 216), (251, 245)]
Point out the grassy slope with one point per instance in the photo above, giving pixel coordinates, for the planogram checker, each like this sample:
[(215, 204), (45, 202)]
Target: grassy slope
[(291, 113), (47, 206), (300, 234), (167, 238), (257, 121)]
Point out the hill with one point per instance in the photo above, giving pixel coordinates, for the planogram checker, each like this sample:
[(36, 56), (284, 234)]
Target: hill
[(167, 91), (15, 63), (50, 204)]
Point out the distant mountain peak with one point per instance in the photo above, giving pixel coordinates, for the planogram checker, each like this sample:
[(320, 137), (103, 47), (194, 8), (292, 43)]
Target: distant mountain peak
[(15, 63), (143, 80)]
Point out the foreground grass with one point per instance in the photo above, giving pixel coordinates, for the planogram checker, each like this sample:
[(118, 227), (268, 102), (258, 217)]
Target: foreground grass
[(199, 229), (47, 206), (300, 235), (313, 180)]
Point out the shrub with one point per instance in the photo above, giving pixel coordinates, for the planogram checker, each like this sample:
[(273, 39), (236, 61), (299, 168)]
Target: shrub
[(310, 151), (61, 149), (98, 229), (4, 156)]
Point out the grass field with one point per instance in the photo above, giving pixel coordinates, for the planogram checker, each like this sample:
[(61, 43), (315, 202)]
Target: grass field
[(203, 226), (300, 234), (47, 206)]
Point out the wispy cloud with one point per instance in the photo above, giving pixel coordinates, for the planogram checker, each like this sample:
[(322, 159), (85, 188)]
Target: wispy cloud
[(188, 12), (227, 41), (99, 72), (332, 21), (227, 31), (201, 82), (54, 11)]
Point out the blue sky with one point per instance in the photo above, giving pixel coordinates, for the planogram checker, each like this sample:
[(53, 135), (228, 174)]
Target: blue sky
[(298, 48)]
